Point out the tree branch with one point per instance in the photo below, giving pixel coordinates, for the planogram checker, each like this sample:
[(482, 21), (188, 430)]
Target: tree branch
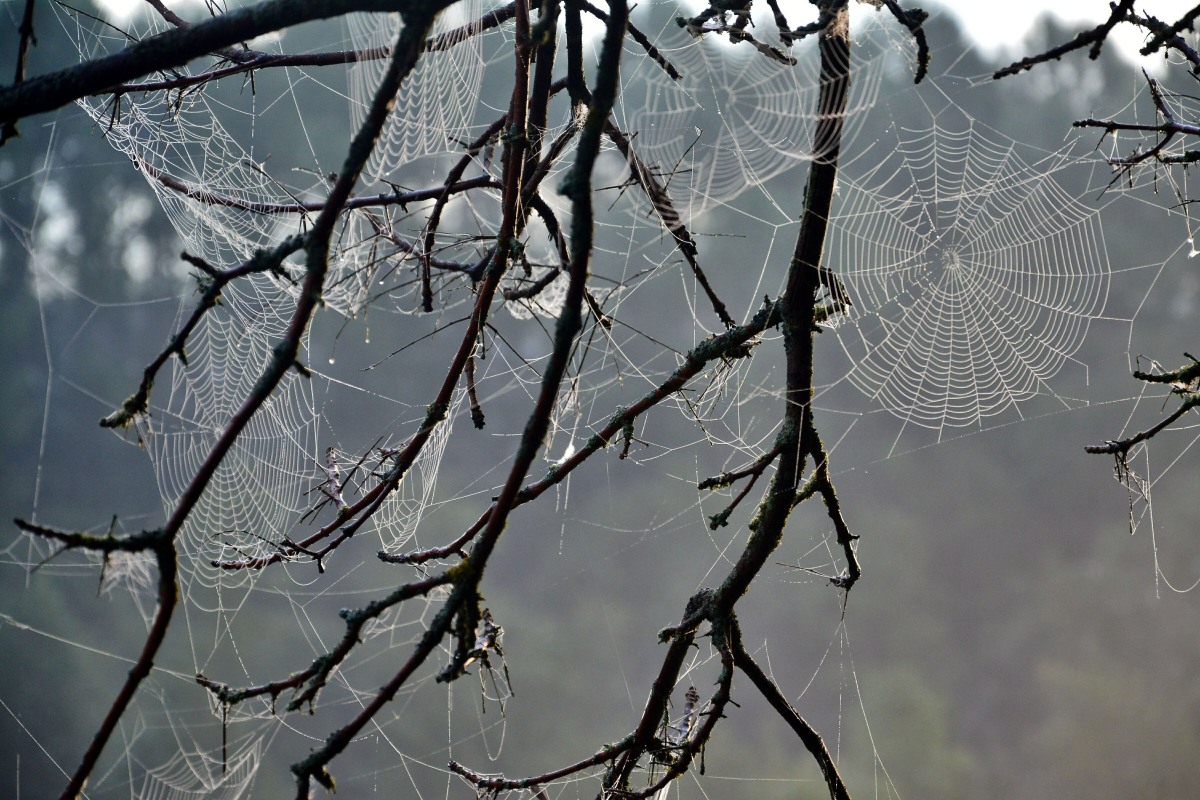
[(660, 201), (1094, 37), (213, 282), (798, 308), (467, 575), (25, 31), (176, 47), (808, 735), (726, 345)]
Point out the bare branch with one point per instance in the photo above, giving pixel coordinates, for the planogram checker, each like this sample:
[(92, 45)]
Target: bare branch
[(1184, 381), (496, 783), (25, 31), (212, 282), (174, 48), (808, 735), (464, 596), (394, 198), (1167, 36), (725, 345), (162, 545), (914, 20), (1094, 38), (653, 52), (660, 201), (1119, 447)]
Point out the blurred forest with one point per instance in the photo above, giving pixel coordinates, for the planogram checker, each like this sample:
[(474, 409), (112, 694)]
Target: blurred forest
[(1009, 637)]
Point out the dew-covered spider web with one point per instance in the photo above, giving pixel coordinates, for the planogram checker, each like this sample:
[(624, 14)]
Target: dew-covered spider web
[(972, 274), (981, 283), (735, 119)]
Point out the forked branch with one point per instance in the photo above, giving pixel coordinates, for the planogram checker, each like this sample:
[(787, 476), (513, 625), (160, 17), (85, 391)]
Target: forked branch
[(664, 207), (527, 160), (316, 676), (316, 246), (807, 734), (1184, 382), (1093, 39), (212, 282), (1159, 35), (465, 593), (1167, 130), (718, 347), (162, 545)]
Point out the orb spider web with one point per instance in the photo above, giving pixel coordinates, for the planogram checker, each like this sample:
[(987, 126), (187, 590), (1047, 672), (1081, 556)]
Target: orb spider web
[(972, 274)]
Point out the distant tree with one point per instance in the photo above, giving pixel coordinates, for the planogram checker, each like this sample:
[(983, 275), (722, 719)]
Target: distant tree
[(485, 238)]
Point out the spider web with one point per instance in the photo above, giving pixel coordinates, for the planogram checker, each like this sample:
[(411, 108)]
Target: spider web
[(436, 107), (735, 119), (974, 276)]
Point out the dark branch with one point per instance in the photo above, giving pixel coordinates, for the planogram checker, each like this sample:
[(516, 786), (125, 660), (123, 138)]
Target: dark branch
[(1094, 38), (168, 594), (808, 735), (249, 60), (1166, 36), (174, 48), (1169, 129), (77, 540), (25, 31), (717, 347), (1122, 446), (1184, 381), (660, 201), (914, 20), (394, 198), (212, 283), (464, 597), (498, 783), (316, 676), (638, 36)]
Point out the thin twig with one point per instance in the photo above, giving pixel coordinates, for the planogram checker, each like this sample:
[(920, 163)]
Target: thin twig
[(660, 201), (213, 283), (644, 41), (394, 198), (694, 363), (161, 544), (914, 20), (316, 676), (498, 783), (464, 596), (1164, 37), (1122, 446)]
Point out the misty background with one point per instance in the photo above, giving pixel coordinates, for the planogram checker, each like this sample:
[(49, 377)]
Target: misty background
[(1009, 638)]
